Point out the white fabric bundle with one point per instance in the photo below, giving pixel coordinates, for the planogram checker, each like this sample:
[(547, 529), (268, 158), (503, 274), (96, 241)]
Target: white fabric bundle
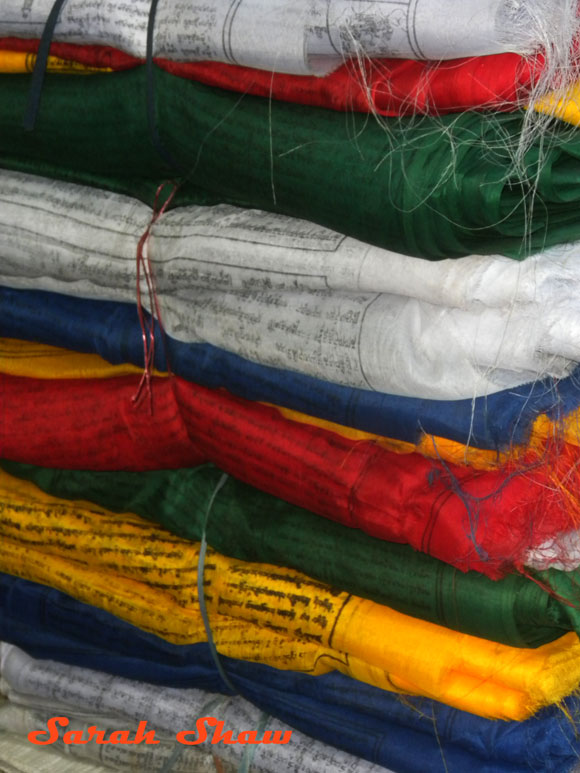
[(18, 756), (40, 684), (304, 36), (290, 294)]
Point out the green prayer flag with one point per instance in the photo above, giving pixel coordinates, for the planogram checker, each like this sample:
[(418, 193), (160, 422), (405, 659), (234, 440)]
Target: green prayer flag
[(433, 187), (252, 526)]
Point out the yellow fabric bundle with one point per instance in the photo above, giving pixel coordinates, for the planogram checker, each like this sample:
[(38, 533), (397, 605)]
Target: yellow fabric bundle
[(263, 613), (15, 62), (566, 107), (23, 358)]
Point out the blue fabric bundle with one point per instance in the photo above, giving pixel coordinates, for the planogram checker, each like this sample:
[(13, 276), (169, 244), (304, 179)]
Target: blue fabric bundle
[(113, 331), (410, 735)]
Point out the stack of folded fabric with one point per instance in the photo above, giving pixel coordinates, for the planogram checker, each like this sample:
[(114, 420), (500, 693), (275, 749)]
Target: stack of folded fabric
[(289, 374)]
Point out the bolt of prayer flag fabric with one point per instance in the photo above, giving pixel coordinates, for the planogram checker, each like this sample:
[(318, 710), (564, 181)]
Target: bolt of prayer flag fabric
[(39, 361), (306, 36), (32, 684), (22, 358), (432, 187), (383, 86), (25, 758), (253, 526), (268, 614), (286, 293), (380, 726), (490, 521), (500, 422)]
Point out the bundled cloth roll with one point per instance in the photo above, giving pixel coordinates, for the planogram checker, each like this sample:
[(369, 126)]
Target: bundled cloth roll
[(33, 685), (502, 424), (382, 86), (438, 187), (285, 293), (407, 734), (304, 35), (268, 614), (22, 358), (252, 526), (491, 521)]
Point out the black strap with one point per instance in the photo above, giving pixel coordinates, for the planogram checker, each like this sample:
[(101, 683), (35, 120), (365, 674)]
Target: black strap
[(39, 72), (40, 67), (165, 154)]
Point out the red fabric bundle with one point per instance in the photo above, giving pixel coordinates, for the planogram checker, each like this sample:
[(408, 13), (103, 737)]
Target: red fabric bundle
[(473, 520), (385, 86)]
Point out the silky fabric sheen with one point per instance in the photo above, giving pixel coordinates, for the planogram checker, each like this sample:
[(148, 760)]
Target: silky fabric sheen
[(269, 614), (243, 280), (566, 106), (383, 86), (252, 526), (374, 724), (422, 188), (16, 62), (21, 358), (464, 748), (498, 422), (483, 520), (305, 36)]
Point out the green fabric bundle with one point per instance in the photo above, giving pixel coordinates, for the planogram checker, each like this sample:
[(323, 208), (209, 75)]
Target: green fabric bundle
[(247, 524), (433, 187)]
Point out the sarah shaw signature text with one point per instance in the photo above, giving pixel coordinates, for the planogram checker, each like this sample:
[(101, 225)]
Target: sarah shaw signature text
[(141, 735)]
